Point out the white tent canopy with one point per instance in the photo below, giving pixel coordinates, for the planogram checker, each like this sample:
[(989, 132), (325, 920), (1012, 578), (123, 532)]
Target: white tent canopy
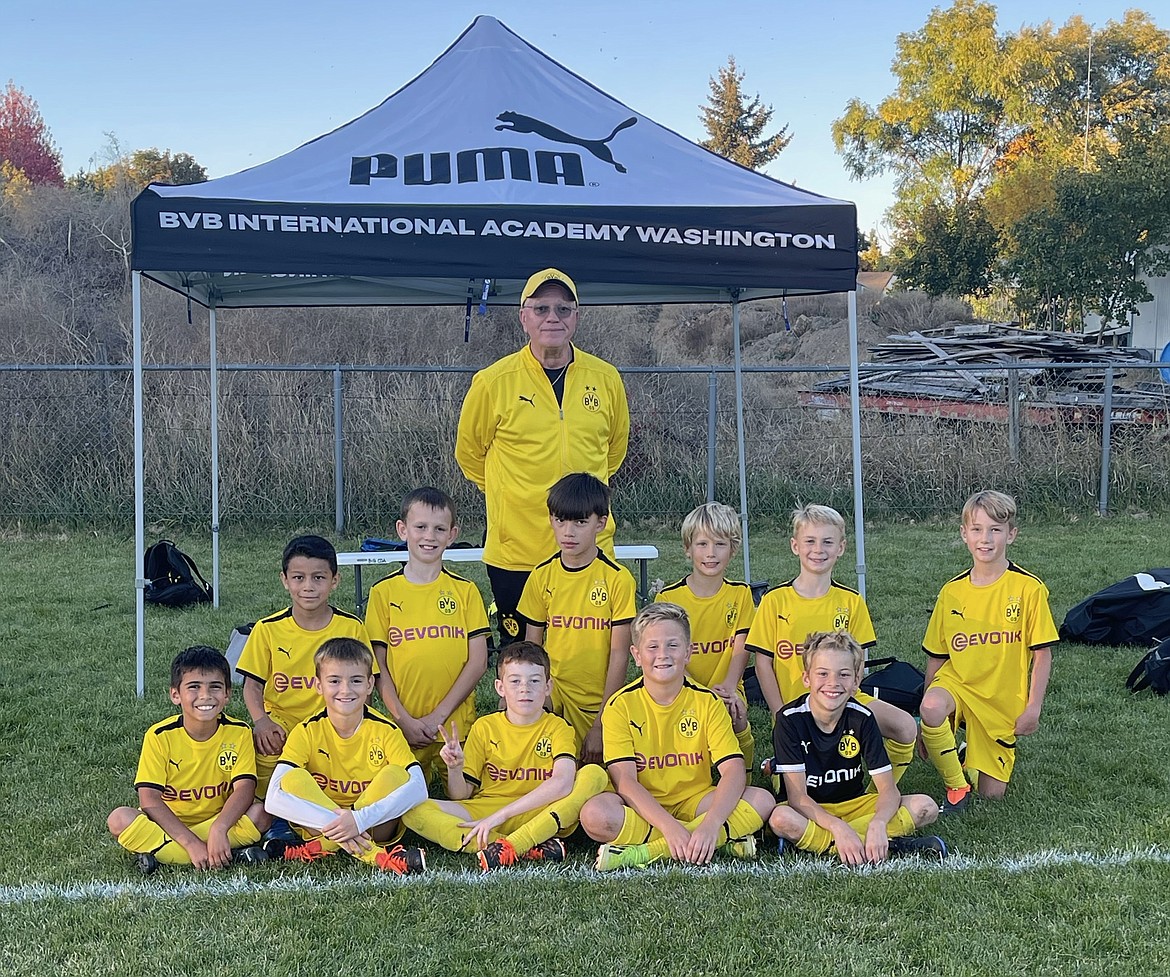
[(492, 163)]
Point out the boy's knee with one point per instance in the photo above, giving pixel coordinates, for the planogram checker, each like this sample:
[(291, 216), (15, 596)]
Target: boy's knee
[(786, 823), (259, 817), (120, 819), (934, 709), (762, 801), (602, 817), (593, 779), (991, 788), (923, 809)]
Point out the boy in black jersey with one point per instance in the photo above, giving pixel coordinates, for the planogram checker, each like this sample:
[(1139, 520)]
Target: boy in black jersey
[(825, 741)]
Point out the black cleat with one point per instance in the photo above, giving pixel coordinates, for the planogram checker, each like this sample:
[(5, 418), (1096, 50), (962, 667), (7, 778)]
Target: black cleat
[(146, 863), (931, 845)]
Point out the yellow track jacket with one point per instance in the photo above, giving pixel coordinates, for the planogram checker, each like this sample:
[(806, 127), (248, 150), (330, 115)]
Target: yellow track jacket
[(515, 442)]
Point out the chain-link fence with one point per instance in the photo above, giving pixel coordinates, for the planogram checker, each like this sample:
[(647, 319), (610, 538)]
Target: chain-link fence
[(340, 446)]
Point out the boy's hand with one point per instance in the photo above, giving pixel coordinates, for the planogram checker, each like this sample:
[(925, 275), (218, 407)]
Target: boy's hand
[(268, 736), (737, 708), (431, 723), (725, 693), (679, 840), (478, 835), (1028, 722), (219, 849), (452, 752), (344, 830), (415, 732), (591, 747), (877, 842), (198, 852), (849, 847), (701, 847)]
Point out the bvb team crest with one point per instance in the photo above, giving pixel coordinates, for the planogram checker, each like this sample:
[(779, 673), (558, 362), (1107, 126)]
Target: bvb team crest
[(376, 755), (688, 725), (543, 748), (599, 596), (227, 758), (512, 626), (590, 401), (732, 614), (841, 619), (1012, 611), (848, 747), (447, 603)]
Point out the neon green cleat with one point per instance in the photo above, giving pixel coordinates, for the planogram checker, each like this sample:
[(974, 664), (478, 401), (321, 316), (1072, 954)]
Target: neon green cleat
[(744, 848), (610, 857)]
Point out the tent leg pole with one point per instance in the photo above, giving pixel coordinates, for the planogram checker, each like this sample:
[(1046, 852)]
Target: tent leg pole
[(214, 457), (743, 500), (855, 417), (139, 493)]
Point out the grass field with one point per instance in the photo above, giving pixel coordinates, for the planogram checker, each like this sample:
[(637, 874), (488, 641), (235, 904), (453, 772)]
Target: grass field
[(1066, 876)]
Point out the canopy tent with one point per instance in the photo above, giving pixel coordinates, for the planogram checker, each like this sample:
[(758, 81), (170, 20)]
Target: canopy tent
[(492, 163)]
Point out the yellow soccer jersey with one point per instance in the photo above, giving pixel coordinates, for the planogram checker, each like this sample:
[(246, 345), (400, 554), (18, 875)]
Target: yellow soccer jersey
[(279, 653), (506, 761), (675, 747), (987, 636), (195, 777), (578, 609), (426, 628), (784, 619), (715, 623), (343, 768)]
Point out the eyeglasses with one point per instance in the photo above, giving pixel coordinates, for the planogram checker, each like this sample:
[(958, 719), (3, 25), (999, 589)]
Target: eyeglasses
[(561, 311)]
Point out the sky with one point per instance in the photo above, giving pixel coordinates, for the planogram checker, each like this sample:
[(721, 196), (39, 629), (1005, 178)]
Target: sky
[(238, 83)]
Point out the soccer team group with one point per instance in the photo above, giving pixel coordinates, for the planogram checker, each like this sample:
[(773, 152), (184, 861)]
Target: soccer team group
[(657, 768)]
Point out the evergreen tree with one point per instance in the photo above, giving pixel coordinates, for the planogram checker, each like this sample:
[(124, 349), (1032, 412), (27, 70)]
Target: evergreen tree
[(736, 124)]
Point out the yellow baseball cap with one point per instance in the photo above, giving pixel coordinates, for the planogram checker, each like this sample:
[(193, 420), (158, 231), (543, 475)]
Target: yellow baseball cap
[(548, 275)]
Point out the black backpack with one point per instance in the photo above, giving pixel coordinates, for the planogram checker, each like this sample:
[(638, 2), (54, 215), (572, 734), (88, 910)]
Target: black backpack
[(1153, 671), (171, 577), (898, 683)]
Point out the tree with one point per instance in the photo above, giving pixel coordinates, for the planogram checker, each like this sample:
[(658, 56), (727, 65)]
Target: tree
[(25, 142), (952, 253), (135, 170), (736, 124), (1084, 251)]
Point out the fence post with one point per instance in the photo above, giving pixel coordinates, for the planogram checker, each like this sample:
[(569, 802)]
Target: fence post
[(1106, 441), (712, 408), (338, 454), (1013, 393)]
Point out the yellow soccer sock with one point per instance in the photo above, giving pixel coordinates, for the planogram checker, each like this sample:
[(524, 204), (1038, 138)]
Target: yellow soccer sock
[(437, 825), (815, 839), (901, 824), (944, 754), (560, 817), (144, 836), (743, 820), (635, 830), (900, 755), (747, 744)]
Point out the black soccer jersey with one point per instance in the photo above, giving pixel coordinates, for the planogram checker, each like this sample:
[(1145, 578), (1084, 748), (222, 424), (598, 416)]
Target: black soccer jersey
[(833, 763)]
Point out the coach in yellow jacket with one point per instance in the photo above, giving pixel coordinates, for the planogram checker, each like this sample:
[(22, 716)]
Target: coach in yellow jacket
[(530, 418)]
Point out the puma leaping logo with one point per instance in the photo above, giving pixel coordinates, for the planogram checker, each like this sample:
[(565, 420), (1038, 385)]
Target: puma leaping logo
[(782, 617), (528, 400), (392, 604), (324, 754), (957, 613), (284, 651), (515, 122), (637, 727), (174, 763)]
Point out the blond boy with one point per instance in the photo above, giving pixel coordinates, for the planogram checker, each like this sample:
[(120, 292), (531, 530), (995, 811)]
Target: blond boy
[(825, 740), (515, 789), (989, 643), (720, 612), (346, 775), (429, 630), (665, 736), (811, 602)]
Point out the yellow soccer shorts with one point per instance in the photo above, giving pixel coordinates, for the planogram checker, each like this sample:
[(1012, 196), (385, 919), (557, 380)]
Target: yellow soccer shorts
[(991, 743)]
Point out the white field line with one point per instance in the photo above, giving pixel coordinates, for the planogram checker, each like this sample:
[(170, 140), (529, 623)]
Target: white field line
[(182, 885)]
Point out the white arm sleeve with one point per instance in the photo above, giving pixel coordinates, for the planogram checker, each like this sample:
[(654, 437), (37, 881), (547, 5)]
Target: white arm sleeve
[(292, 808), (394, 804)]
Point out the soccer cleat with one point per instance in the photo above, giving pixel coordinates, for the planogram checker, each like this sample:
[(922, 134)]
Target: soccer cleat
[(918, 845), (740, 847), (281, 830), (610, 857), (497, 855), (146, 863), (310, 851), (956, 801), (402, 861), (251, 855), (781, 845), (552, 850)]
